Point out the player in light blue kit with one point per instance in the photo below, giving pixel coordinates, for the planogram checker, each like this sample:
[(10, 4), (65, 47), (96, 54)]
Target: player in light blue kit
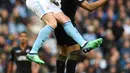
[(51, 14)]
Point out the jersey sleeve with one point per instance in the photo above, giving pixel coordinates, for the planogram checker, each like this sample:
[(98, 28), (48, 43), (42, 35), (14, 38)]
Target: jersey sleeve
[(11, 58), (80, 1)]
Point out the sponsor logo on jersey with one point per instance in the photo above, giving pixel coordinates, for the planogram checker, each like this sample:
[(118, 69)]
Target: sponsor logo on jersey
[(80, 0), (18, 51), (21, 58)]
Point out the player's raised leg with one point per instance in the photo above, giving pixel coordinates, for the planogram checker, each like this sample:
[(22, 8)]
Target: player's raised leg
[(42, 36), (42, 10), (73, 32)]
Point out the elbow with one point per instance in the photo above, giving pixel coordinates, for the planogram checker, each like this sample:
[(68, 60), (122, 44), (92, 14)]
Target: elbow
[(105, 1), (90, 9)]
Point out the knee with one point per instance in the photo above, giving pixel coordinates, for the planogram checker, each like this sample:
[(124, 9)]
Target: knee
[(65, 19), (50, 20), (61, 57), (52, 23), (63, 50), (64, 53), (74, 55)]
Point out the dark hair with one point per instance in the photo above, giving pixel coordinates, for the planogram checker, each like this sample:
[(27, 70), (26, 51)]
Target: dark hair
[(23, 32)]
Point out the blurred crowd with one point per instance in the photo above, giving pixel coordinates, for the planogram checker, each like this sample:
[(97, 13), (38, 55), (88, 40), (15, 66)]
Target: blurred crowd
[(110, 22)]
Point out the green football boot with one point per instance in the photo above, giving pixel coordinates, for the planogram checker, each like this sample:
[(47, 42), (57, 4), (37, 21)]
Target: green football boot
[(35, 58), (92, 45)]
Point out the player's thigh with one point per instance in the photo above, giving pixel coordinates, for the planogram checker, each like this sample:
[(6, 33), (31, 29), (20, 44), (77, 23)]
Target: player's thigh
[(43, 9), (72, 48), (62, 50), (65, 50), (61, 17)]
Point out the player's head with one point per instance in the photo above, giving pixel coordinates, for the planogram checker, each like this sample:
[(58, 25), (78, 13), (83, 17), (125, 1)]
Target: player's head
[(23, 37)]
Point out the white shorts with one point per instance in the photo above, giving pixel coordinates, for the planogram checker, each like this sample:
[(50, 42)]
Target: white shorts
[(41, 7)]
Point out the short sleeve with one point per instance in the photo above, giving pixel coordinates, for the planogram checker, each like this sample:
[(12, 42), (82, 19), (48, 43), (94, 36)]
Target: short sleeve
[(80, 1)]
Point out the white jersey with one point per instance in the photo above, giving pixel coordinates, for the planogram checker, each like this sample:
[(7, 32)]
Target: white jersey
[(41, 7)]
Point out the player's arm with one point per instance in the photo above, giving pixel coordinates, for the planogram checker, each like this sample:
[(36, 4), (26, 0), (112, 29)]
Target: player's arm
[(92, 6), (10, 67), (10, 63)]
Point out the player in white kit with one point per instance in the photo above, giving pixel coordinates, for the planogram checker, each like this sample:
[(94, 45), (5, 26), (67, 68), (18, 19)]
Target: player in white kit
[(51, 14)]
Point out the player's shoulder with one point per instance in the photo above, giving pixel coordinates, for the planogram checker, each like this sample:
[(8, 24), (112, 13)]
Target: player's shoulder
[(15, 48)]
